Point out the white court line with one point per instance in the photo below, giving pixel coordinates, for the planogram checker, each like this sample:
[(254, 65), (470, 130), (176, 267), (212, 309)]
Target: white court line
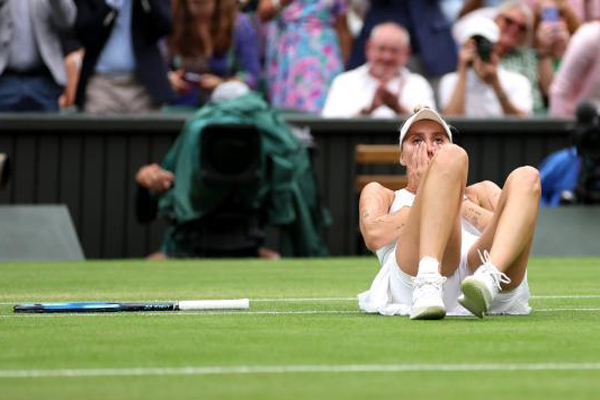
[(566, 309), (303, 299), (221, 313), (581, 296), (295, 299), (294, 369)]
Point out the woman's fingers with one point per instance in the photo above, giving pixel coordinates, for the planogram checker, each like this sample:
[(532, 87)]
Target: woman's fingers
[(423, 156)]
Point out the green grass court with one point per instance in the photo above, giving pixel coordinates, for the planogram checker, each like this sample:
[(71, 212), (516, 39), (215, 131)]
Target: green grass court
[(302, 338)]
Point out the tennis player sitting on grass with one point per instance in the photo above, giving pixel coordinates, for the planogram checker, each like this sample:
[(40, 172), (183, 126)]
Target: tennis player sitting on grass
[(437, 238)]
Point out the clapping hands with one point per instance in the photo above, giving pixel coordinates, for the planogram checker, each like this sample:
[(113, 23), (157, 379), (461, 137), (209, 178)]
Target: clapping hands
[(385, 97)]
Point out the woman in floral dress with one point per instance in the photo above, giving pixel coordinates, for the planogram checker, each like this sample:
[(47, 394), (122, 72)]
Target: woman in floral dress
[(307, 44)]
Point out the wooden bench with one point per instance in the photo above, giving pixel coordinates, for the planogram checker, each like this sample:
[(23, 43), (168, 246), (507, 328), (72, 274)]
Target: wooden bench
[(367, 154)]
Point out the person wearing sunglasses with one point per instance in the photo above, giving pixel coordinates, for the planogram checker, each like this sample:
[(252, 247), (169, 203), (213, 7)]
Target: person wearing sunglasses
[(519, 52), (516, 48), (481, 87)]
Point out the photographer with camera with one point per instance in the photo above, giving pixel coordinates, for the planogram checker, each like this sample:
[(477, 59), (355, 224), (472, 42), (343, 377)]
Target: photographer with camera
[(235, 169), (481, 87), (572, 175)]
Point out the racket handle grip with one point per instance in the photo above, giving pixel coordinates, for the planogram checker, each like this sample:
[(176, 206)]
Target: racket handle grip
[(198, 305)]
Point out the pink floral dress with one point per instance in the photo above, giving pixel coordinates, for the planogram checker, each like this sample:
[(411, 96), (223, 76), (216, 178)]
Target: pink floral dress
[(303, 54)]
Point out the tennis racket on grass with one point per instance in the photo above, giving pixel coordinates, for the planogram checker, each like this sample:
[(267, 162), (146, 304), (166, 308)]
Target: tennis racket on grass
[(97, 307)]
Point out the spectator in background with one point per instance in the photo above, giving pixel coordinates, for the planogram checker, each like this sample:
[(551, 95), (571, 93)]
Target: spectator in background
[(472, 5), (555, 22), (515, 20), (122, 70), (572, 175), (578, 78), (516, 33), (32, 73), (582, 10), (211, 42), (383, 87), (433, 48), (481, 87), (558, 174), (451, 9), (357, 9), (307, 44), (72, 62)]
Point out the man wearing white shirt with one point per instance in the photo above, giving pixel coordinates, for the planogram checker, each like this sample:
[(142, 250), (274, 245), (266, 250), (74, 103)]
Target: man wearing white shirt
[(481, 87), (382, 87)]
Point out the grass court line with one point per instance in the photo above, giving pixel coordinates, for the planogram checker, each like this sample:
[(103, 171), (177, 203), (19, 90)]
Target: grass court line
[(581, 296), (294, 369), (296, 299), (262, 312)]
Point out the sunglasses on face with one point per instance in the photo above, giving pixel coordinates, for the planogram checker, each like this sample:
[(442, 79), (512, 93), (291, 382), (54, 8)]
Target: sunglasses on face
[(512, 22)]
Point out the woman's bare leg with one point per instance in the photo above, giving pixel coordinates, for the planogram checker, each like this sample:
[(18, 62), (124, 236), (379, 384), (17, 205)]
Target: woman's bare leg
[(509, 236), (433, 227)]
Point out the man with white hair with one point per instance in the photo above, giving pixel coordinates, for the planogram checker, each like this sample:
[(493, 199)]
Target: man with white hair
[(383, 87), (481, 87)]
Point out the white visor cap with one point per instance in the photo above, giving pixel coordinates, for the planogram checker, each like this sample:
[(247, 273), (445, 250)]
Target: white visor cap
[(423, 113), (479, 26)]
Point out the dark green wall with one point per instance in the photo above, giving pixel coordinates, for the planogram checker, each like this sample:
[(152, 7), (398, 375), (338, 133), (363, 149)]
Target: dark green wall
[(88, 163)]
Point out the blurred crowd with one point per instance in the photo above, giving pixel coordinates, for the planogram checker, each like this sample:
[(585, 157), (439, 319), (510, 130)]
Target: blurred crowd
[(336, 58)]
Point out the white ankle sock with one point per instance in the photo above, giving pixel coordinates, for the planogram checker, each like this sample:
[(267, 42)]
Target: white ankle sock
[(428, 265)]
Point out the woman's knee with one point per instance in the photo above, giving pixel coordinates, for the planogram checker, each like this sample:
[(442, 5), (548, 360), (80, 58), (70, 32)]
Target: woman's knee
[(451, 158), (526, 178)]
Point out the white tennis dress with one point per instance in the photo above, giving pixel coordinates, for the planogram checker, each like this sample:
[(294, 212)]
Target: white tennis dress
[(391, 290)]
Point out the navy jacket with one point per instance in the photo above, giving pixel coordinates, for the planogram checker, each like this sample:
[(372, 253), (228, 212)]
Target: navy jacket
[(150, 21)]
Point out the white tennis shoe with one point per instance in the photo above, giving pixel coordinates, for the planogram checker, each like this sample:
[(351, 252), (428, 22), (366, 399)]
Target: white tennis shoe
[(427, 297), (480, 288)]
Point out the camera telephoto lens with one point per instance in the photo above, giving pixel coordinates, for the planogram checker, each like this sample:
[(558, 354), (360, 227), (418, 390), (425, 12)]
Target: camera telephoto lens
[(484, 47)]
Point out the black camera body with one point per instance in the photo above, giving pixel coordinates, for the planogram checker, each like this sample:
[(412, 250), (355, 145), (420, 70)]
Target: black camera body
[(586, 137), (5, 169), (484, 48)]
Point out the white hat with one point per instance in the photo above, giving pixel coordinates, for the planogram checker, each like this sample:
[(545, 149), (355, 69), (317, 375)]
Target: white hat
[(479, 26), (421, 113)]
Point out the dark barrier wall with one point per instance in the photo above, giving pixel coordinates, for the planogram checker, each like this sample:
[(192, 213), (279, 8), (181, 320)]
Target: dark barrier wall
[(88, 163)]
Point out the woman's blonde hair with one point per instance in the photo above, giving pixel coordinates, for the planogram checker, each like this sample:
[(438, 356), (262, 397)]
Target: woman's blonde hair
[(526, 11)]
